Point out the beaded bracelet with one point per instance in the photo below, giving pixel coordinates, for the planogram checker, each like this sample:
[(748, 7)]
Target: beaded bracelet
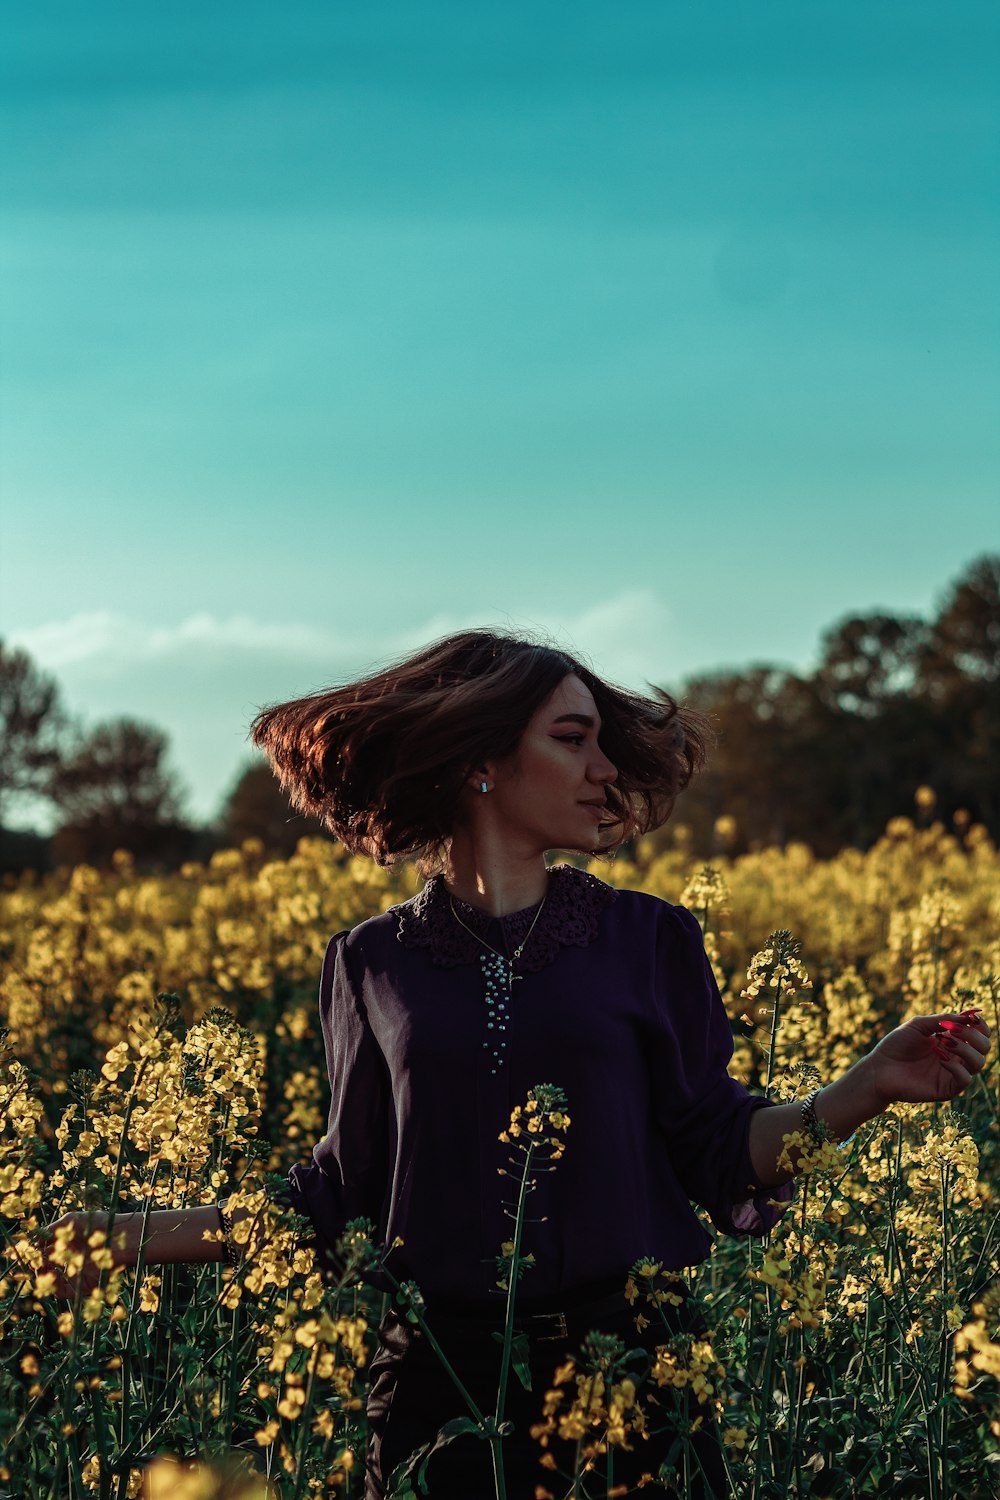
[(232, 1254)]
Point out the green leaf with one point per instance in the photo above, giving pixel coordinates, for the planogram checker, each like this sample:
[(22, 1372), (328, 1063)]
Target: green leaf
[(400, 1487), (446, 1434), (519, 1350), (453, 1429), (519, 1353)]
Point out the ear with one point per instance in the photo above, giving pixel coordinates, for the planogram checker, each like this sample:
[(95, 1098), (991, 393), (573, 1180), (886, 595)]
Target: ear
[(486, 772)]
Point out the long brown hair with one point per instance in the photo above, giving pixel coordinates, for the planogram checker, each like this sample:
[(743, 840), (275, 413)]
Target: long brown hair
[(383, 761)]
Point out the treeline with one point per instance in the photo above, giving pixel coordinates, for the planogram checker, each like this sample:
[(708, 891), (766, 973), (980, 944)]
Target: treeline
[(111, 787), (896, 705)]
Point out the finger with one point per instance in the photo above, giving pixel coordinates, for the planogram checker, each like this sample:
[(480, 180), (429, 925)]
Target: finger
[(956, 1071), (971, 1020), (961, 1041), (978, 1040), (977, 1018), (928, 1025), (973, 1045), (958, 1056)]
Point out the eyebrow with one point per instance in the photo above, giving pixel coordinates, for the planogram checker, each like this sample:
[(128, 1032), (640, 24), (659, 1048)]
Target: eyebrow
[(584, 719)]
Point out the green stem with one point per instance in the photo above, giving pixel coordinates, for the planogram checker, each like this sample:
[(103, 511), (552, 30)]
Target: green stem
[(126, 1353), (986, 1248), (303, 1419), (945, 1336), (508, 1332), (772, 1047), (422, 1324), (765, 1387), (937, 964), (101, 1437), (234, 1365), (995, 996), (795, 1425)]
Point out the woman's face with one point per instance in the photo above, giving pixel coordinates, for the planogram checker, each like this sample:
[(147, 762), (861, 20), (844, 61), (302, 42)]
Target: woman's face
[(552, 790)]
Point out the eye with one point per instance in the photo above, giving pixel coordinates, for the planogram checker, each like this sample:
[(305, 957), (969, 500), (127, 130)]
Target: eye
[(570, 739)]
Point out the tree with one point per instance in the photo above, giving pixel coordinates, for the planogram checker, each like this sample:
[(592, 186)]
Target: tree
[(763, 771), (114, 791), (959, 682), (829, 758), (33, 726), (964, 641), (869, 660), (256, 807)]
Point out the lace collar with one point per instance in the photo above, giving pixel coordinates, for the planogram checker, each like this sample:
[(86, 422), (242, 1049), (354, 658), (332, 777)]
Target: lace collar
[(570, 916)]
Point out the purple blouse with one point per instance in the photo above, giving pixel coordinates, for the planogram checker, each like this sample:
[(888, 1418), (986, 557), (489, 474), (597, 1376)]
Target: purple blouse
[(618, 1006)]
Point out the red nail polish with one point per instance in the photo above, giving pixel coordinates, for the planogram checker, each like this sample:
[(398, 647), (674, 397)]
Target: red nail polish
[(951, 1025)]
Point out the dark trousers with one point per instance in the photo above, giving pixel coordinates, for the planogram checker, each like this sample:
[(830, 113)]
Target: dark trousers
[(411, 1396)]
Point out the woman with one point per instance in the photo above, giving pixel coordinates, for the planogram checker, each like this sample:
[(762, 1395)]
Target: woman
[(478, 756)]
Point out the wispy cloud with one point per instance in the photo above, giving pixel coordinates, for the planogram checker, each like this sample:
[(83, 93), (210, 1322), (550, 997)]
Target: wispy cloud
[(203, 677), (104, 637), (624, 636)]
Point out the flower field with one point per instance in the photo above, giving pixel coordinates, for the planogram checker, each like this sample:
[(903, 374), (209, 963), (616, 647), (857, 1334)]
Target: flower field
[(163, 1051)]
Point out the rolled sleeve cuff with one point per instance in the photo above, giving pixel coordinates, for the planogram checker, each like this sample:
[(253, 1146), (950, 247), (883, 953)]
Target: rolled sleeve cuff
[(313, 1195), (759, 1210), (759, 1214)]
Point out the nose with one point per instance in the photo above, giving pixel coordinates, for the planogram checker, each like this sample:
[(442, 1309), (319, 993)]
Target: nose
[(603, 769)]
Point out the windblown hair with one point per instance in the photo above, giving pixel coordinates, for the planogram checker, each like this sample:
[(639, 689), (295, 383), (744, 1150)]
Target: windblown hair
[(383, 762)]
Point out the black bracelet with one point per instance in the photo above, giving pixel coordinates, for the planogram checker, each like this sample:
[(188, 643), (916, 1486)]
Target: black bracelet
[(232, 1254), (818, 1130)]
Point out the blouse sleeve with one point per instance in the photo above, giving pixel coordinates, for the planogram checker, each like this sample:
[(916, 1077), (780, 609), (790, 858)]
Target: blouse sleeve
[(348, 1176), (703, 1112)]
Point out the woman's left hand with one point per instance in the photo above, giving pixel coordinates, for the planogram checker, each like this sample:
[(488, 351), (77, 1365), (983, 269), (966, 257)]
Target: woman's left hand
[(929, 1058)]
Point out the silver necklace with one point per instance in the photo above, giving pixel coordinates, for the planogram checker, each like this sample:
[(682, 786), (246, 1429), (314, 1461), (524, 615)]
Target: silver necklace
[(498, 972)]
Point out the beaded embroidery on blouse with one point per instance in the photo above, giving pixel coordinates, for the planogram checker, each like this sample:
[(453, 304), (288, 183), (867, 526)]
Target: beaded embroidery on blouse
[(569, 919)]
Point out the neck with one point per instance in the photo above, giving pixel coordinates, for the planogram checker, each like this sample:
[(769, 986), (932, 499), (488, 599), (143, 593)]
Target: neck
[(494, 876)]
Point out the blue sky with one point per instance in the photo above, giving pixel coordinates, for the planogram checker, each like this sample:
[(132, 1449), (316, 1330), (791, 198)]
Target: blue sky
[(671, 328)]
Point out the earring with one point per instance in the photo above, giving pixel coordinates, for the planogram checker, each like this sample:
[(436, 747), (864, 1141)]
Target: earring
[(483, 787)]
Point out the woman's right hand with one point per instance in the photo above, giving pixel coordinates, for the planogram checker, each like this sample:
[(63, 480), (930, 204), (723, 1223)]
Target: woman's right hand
[(73, 1231)]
